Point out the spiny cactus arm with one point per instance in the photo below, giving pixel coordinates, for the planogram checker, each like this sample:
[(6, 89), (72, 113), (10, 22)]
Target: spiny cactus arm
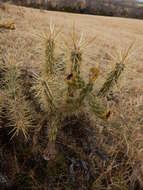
[(49, 39), (49, 56), (76, 59), (19, 116), (97, 107), (74, 83), (11, 81), (53, 129), (49, 94), (111, 79), (48, 90), (85, 92), (2, 67), (115, 74), (53, 126), (2, 101), (16, 106), (43, 94)]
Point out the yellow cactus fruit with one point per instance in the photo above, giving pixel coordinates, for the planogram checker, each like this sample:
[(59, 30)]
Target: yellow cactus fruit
[(94, 73), (107, 114)]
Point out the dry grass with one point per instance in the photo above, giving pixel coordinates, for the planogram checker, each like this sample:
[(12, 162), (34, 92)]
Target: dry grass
[(113, 35)]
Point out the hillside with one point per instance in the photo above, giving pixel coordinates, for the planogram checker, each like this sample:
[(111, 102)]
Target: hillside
[(92, 154), (121, 8)]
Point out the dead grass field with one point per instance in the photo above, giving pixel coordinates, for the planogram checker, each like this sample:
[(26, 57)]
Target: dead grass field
[(112, 35)]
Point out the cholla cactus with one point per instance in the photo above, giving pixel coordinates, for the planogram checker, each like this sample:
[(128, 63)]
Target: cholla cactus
[(13, 101), (44, 94), (2, 101), (78, 92), (93, 75), (20, 118), (114, 75), (78, 44), (74, 82), (76, 48), (50, 45), (98, 108), (46, 84), (52, 133), (112, 79)]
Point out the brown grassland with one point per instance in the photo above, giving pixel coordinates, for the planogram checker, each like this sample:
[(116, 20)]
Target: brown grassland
[(121, 137)]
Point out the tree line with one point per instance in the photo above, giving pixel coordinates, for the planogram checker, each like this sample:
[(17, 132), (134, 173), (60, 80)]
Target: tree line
[(126, 8)]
